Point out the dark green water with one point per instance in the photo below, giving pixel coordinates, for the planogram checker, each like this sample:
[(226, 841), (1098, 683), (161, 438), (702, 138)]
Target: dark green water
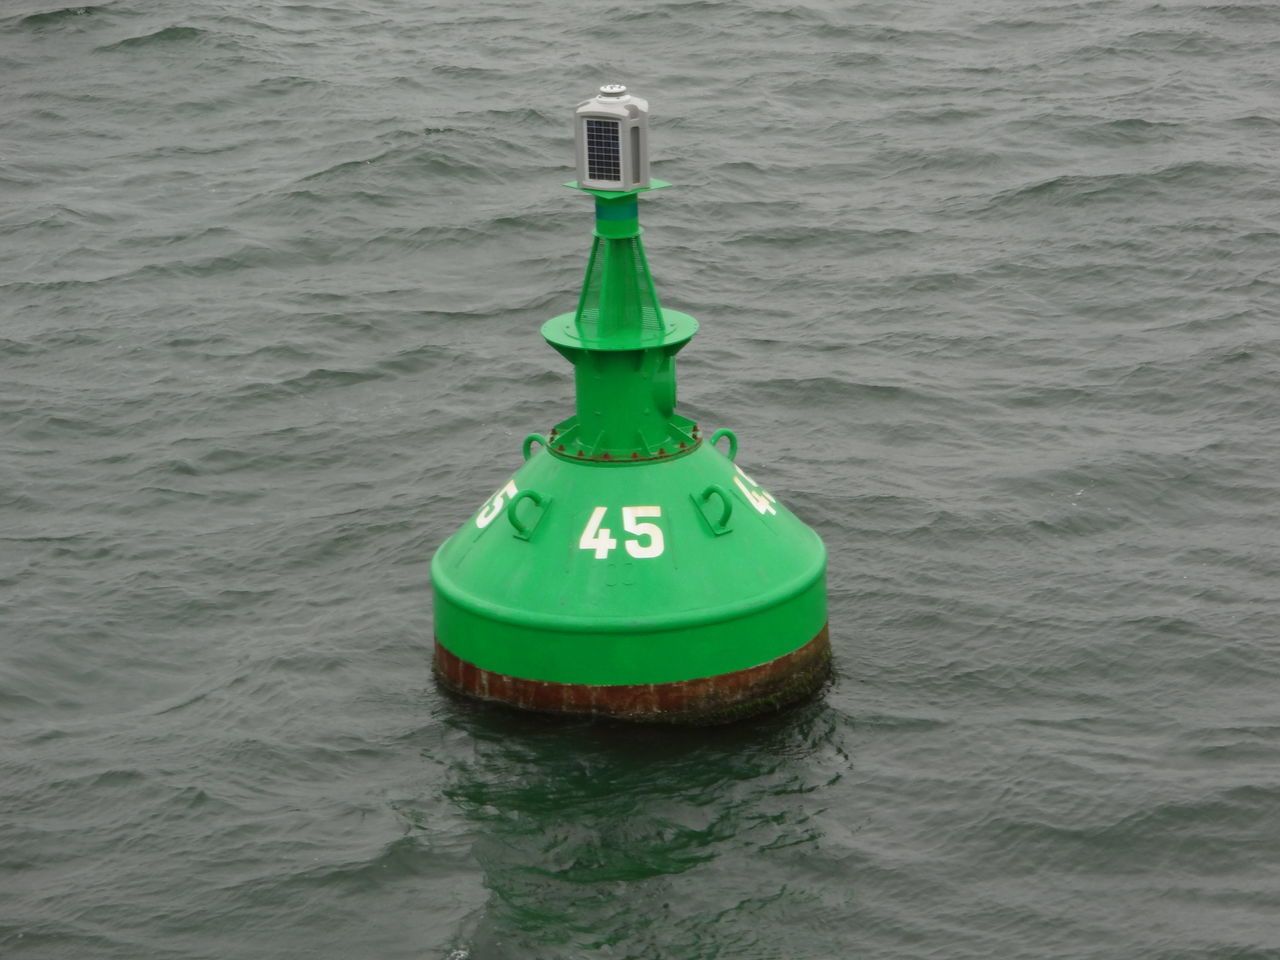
[(989, 291)]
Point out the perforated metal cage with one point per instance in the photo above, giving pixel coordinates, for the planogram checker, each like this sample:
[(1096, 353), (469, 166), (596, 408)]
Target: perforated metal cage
[(618, 298)]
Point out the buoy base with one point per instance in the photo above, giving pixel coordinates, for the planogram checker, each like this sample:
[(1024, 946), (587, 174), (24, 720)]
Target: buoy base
[(703, 700)]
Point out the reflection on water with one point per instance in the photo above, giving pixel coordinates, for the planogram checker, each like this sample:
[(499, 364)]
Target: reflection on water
[(597, 838)]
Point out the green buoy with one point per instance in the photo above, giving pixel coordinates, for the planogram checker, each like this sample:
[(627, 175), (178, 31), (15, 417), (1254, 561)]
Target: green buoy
[(629, 568)]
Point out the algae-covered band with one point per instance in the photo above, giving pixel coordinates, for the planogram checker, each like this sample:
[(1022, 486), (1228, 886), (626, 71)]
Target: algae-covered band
[(629, 568)]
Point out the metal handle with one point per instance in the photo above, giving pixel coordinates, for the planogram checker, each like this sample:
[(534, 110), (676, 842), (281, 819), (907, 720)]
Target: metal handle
[(733, 440), (529, 441), (726, 507), (524, 530)]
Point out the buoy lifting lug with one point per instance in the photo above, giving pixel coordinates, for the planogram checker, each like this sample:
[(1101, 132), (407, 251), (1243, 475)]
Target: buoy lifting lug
[(525, 530), (720, 526), (527, 447), (733, 441)]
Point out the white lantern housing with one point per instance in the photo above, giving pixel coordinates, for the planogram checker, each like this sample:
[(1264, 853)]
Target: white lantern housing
[(612, 134)]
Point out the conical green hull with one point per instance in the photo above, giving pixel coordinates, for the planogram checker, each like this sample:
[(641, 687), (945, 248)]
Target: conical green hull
[(632, 574)]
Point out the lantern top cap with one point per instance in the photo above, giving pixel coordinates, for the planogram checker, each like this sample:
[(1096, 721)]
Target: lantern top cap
[(613, 90)]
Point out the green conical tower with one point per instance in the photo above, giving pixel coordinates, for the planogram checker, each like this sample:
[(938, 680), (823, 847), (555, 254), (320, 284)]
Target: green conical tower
[(622, 345), (629, 568)]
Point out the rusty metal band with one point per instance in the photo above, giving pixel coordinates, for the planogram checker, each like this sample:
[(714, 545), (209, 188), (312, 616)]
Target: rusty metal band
[(759, 689)]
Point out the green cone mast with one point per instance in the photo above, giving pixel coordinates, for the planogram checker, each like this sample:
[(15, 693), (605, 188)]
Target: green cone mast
[(629, 568)]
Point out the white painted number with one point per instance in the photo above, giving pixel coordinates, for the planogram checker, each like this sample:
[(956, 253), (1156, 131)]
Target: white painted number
[(651, 530), (597, 538), (761, 499), (495, 504)]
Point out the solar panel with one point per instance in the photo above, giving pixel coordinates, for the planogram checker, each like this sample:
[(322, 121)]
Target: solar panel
[(604, 150)]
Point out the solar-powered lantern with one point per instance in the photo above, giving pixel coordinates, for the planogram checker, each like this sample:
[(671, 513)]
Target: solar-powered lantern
[(613, 140)]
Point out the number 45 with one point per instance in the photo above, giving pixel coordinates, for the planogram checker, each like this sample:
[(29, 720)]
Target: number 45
[(597, 538)]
